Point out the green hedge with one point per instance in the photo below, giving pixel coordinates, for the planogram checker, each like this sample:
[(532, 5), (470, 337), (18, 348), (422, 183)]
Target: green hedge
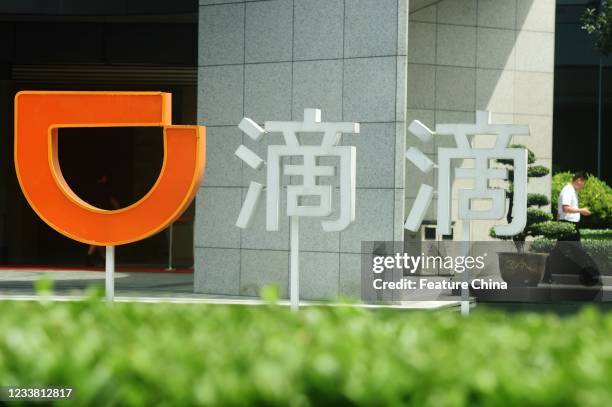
[(554, 230), (599, 249), (187, 355), (596, 234), (536, 199)]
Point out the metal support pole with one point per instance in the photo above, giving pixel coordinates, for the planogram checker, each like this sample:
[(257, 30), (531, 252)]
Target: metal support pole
[(294, 276), (110, 273), (465, 243), (599, 116), (170, 243)]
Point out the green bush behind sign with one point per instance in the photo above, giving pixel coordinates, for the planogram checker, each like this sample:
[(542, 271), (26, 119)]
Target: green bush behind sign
[(184, 355)]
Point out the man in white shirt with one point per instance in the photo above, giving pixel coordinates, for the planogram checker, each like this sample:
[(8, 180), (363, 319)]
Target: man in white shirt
[(568, 256), (567, 208)]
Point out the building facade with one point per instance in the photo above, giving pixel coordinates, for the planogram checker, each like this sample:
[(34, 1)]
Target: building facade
[(382, 63)]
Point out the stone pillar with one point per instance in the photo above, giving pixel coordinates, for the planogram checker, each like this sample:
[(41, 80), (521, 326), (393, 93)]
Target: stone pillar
[(269, 60)]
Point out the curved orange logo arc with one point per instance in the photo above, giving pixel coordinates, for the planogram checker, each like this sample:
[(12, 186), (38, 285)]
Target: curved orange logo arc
[(39, 115)]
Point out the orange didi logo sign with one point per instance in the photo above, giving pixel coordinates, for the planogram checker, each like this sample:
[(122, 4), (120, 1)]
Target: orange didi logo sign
[(39, 116)]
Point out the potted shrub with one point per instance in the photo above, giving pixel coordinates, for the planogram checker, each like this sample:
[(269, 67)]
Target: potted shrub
[(522, 267)]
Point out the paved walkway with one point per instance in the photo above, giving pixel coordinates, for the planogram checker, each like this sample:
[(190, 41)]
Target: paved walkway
[(18, 284)]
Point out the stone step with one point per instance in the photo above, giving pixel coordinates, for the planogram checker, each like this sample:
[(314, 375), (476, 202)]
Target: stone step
[(575, 279)]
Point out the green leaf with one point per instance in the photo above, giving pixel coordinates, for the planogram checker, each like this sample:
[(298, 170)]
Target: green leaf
[(553, 230), (537, 171), (44, 285), (535, 215), (269, 293), (535, 199)]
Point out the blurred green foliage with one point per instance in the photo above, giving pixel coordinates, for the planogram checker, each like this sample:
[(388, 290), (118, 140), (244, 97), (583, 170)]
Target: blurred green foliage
[(535, 199), (134, 354), (596, 234), (596, 195), (554, 230), (599, 249)]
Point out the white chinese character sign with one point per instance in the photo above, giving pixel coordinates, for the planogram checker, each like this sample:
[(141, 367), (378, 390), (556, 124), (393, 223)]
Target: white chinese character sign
[(310, 171), (481, 174)]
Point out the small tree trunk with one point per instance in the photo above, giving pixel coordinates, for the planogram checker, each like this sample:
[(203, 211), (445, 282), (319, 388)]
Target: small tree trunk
[(520, 246)]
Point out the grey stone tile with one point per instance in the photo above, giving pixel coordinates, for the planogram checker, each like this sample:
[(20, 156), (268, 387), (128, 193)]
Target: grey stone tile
[(257, 237), (502, 118), (400, 151), (496, 48), (445, 116), (221, 35), (223, 168), (312, 236), (456, 45), (268, 91), (455, 88), (401, 97), (536, 15), (269, 36), (216, 212), (217, 271), (369, 89), (318, 84), (400, 215), (497, 13), (533, 93), (422, 43), (319, 274), (540, 138), (426, 14), (220, 90), (363, 27), (374, 219), (415, 178), (375, 154), (264, 267), (495, 90), (535, 51), (318, 29), (350, 276), (402, 26), (457, 12), (421, 86)]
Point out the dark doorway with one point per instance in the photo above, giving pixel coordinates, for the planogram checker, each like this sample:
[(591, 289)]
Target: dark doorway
[(580, 141), (136, 46)]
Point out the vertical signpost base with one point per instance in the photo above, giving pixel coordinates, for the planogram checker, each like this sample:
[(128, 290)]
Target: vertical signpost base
[(110, 273), (170, 243), (465, 243), (294, 274)]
